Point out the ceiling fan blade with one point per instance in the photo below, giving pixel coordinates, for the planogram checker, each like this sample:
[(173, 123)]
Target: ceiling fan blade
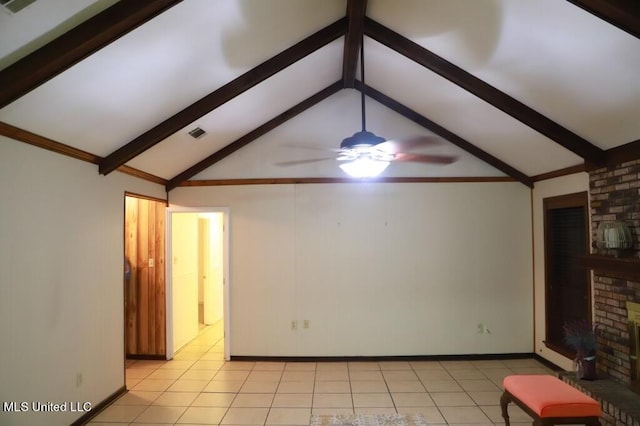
[(423, 158), (395, 147), (296, 162)]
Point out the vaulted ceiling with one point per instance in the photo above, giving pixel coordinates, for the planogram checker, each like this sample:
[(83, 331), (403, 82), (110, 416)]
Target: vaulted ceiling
[(515, 89)]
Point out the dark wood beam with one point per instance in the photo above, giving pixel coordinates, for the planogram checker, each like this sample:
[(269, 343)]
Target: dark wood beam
[(613, 157), (446, 134), (300, 181), (616, 267), (142, 175), (30, 138), (356, 10), (623, 153), (222, 95), (618, 155), (624, 14), (484, 91), (253, 135), (578, 168), (75, 45)]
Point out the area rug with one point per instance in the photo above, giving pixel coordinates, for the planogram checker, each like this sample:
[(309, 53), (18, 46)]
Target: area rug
[(368, 420)]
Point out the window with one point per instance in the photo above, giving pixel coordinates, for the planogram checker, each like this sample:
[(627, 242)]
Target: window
[(567, 282)]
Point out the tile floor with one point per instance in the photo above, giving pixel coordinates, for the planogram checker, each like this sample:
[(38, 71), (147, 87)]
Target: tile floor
[(199, 388)]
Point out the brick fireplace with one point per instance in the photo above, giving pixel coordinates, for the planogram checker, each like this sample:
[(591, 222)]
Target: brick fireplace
[(615, 196)]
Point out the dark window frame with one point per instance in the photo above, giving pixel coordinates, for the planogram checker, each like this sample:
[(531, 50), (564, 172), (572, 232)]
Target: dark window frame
[(578, 199)]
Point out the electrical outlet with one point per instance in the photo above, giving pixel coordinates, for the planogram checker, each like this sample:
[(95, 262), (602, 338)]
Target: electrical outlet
[(305, 324), (294, 325)]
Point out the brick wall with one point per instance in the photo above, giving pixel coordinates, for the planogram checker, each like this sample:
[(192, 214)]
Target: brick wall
[(615, 195), (611, 316), (619, 406)]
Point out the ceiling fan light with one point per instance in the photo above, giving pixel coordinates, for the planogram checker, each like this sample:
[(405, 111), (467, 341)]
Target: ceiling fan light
[(364, 167)]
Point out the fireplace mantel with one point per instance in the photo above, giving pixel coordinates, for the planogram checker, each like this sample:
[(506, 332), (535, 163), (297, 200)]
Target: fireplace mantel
[(620, 266)]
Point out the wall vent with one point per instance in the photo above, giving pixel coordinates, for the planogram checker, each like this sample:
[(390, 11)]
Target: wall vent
[(197, 133), (15, 6)]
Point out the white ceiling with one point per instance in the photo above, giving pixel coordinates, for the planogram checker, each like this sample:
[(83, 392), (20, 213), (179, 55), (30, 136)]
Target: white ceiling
[(563, 62)]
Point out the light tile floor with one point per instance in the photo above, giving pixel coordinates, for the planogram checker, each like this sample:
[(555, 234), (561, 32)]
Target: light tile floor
[(198, 387)]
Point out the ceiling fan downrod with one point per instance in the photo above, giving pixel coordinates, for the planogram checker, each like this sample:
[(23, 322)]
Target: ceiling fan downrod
[(363, 137)]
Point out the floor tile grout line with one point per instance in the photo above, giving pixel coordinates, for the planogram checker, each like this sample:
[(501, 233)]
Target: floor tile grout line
[(458, 380), (428, 393)]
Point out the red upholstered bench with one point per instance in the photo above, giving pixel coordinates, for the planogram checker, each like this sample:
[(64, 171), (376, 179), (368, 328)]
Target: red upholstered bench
[(549, 400)]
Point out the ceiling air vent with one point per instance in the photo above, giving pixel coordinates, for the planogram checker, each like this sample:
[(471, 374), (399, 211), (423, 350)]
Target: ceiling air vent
[(197, 133), (15, 6)]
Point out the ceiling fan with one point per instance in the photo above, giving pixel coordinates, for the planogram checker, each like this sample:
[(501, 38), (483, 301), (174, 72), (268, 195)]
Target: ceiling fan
[(365, 154)]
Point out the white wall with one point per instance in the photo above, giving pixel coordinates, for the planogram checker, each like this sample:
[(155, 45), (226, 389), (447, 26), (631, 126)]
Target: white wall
[(61, 283), (184, 274), (578, 182), (214, 307), (377, 269)]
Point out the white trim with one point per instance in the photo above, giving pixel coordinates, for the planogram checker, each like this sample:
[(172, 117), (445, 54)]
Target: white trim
[(227, 276)]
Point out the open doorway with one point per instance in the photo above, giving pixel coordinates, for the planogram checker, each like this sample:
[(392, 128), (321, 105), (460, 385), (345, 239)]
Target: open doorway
[(197, 275)]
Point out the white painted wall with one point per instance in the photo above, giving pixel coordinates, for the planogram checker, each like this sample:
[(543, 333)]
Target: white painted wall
[(184, 275), (377, 269), (61, 284), (578, 182), (214, 306)]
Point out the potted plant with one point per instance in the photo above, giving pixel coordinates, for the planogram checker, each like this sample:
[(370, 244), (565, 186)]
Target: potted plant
[(581, 336)]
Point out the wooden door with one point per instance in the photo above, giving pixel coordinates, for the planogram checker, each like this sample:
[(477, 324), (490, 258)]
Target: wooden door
[(144, 292)]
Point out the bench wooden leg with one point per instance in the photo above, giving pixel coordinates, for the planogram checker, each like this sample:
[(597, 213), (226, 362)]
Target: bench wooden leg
[(505, 399)]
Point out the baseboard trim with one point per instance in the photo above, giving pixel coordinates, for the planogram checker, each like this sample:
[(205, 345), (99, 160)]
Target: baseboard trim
[(96, 409), (151, 357), (547, 363), (467, 357)]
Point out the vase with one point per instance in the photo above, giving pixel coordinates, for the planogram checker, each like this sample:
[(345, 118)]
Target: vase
[(585, 368)]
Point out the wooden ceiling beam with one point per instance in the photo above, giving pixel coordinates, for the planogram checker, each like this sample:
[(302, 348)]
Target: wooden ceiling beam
[(222, 95), (253, 135), (623, 153), (349, 180), (484, 91), (578, 168), (30, 138), (356, 10), (624, 14), (446, 134), (76, 44)]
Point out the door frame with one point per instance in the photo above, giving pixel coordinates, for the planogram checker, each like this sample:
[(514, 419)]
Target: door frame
[(573, 200), (226, 288)]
